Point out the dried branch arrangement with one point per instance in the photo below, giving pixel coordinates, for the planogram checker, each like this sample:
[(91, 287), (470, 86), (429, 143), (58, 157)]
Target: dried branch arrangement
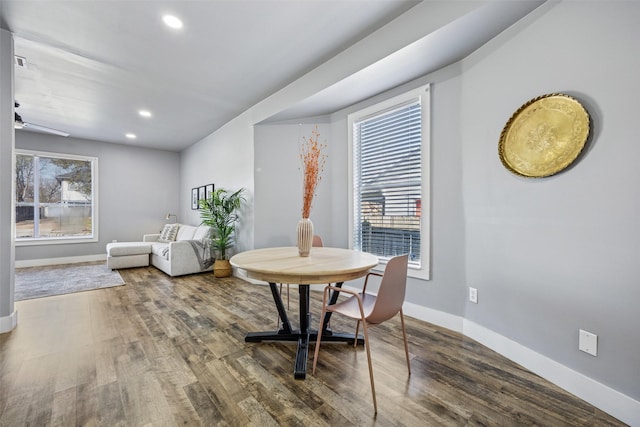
[(313, 161)]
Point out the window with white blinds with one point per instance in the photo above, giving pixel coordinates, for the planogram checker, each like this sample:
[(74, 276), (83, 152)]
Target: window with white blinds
[(388, 175)]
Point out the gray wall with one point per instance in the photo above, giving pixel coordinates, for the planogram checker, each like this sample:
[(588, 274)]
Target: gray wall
[(550, 256), (446, 289), (278, 188), (137, 187), (224, 159), (278, 185), (7, 253)]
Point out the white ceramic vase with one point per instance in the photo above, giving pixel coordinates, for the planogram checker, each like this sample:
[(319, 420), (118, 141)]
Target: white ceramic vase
[(305, 236)]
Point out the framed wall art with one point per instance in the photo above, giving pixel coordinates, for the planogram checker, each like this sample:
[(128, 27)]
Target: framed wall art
[(208, 191), (194, 199)]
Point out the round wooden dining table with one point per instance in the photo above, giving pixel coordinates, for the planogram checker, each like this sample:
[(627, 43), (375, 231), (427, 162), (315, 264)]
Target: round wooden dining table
[(284, 265)]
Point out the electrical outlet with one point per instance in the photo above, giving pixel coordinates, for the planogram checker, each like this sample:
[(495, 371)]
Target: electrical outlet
[(473, 295), (588, 342)]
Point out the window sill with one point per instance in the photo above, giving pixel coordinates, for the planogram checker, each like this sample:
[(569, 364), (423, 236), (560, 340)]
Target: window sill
[(56, 241)]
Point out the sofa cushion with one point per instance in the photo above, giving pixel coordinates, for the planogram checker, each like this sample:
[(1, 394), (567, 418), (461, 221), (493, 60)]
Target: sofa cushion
[(127, 248), (169, 233), (161, 250), (186, 232), (202, 233)]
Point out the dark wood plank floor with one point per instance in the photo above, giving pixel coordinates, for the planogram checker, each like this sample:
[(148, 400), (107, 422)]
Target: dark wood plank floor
[(164, 351)]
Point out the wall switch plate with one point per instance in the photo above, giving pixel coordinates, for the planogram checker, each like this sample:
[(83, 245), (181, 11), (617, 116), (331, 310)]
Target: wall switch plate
[(473, 295), (588, 342)]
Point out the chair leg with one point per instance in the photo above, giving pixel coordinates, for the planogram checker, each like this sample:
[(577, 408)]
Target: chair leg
[(366, 344), (406, 344), (355, 341), (317, 349)]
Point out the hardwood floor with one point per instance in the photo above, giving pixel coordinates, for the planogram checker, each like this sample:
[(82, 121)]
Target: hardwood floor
[(164, 351)]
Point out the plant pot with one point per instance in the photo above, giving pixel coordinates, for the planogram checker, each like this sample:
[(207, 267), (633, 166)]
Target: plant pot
[(222, 268)]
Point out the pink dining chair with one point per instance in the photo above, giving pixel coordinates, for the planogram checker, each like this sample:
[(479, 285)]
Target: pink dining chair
[(372, 309), (317, 242)]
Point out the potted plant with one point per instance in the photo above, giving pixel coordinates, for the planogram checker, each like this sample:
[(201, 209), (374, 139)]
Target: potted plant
[(219, 212)]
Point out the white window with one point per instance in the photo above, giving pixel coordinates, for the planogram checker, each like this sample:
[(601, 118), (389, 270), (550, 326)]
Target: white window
[(56, 198), (389, 210)]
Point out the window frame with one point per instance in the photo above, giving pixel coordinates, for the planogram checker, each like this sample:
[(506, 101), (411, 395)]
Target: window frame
[(422, 95), (55, 240)]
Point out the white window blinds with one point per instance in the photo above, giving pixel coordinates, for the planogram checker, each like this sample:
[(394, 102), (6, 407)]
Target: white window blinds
[(387, 171)]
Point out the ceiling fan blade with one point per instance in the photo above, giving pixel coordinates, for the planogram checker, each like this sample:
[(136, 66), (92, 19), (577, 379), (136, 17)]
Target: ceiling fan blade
[(38, 128)]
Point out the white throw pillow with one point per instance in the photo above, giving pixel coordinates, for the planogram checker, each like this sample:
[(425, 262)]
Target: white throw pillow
[(169, 233)]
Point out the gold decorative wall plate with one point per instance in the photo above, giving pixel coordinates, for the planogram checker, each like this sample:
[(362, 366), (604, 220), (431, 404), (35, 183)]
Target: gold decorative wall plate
[(544, 136)]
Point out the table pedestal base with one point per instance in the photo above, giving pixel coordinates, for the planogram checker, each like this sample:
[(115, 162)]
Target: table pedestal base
[(303, 340), (303, 336)]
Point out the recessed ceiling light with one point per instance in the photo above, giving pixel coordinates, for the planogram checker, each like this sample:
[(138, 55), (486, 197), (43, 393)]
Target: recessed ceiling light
[(131, 135), (172, 21), (145, 113)]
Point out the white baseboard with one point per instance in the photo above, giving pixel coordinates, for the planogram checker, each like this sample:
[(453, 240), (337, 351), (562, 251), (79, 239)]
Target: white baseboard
[(61, 260), (440, 318), (7, 323)]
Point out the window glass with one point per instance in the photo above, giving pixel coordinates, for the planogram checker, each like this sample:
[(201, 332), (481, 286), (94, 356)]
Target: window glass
[(54, 197)]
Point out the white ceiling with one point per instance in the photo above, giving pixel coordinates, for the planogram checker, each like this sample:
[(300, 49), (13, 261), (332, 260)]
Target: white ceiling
[(91, 65)]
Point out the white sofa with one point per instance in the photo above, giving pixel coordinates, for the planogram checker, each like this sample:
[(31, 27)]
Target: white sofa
[(186, 252)]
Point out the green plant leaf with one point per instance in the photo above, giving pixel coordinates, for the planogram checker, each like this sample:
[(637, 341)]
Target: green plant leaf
[(220, 213)]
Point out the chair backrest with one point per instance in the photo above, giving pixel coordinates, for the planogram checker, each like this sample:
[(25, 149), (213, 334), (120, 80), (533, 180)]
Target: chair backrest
[(317, 241), (392, 290)]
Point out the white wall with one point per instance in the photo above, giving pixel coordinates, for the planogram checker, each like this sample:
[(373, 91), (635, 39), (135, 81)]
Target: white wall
[(137, 187), (551, 256)]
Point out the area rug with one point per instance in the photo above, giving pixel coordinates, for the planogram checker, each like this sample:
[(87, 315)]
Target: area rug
[(38, 282)]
